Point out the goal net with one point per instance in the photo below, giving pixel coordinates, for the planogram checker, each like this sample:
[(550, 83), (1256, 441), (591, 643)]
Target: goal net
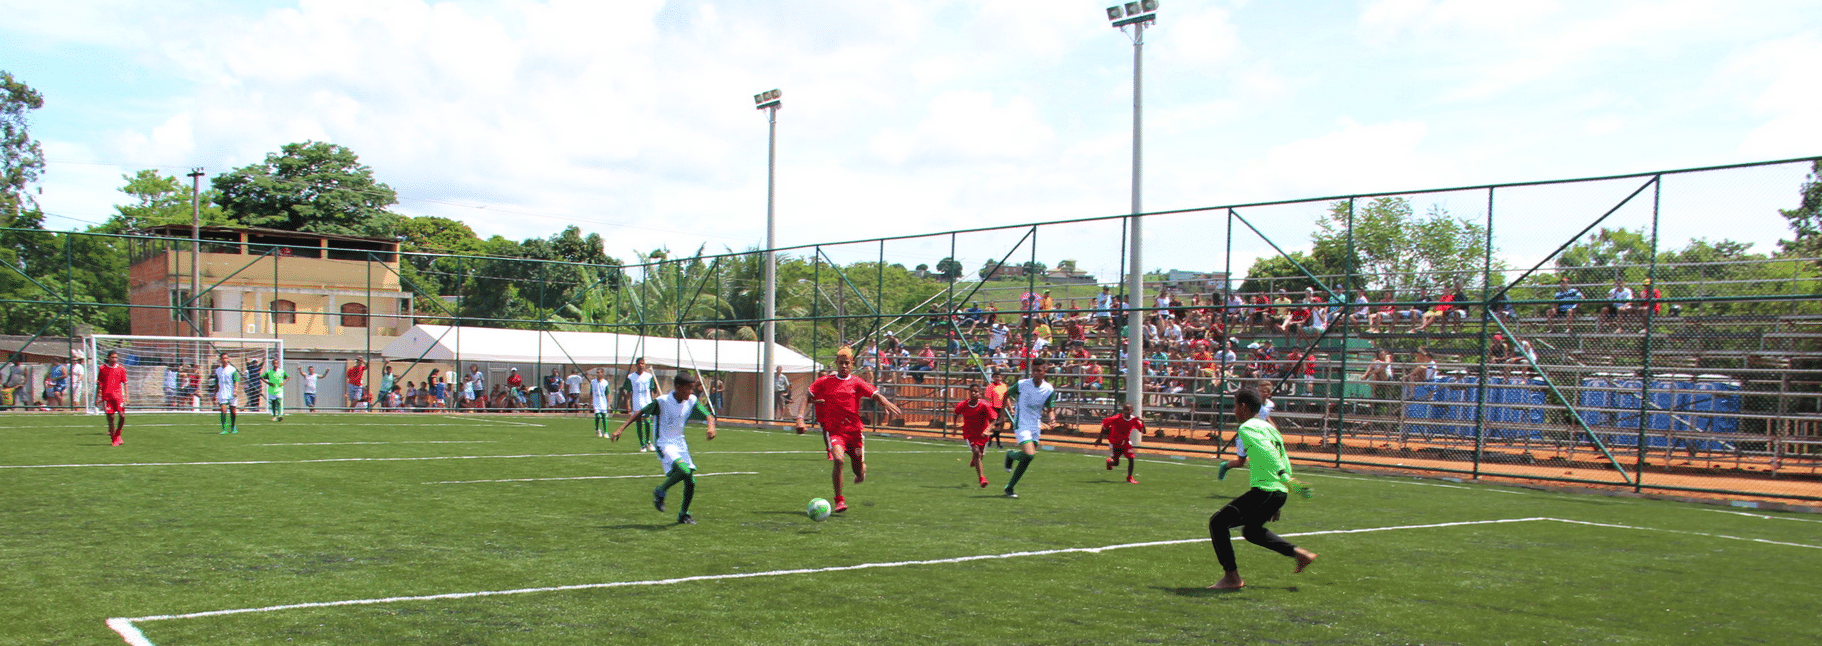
[(176, 374)]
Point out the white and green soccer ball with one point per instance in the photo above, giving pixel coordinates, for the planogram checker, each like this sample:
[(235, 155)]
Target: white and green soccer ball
[(819, 509)]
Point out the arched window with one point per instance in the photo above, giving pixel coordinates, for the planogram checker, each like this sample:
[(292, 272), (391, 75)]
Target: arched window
[(354, 315), (284, 311)]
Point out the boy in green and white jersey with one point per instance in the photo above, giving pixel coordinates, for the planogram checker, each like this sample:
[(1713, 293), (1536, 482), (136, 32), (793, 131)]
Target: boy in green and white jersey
[(598, 393), (1031, 401), (671, 413), (1271, 479), (227, 383), (275, 390)]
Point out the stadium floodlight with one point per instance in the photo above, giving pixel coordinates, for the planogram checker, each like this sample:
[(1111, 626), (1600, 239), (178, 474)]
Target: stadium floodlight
[(770, 101), (1134, 13)]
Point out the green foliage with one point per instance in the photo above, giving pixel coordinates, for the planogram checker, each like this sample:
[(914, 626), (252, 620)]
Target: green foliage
[(162, 199), (314, 187), (1806, 219), (1396, 249), (1701, 269), (1276, 272), (21, 158), (949, 269)]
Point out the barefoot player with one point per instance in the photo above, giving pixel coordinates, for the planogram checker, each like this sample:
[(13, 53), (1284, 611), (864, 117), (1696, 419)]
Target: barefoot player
[(976, 414), (1121, 432), (1270, 474), (1031, 402), (671, 412), (111, 384), (837, 399)]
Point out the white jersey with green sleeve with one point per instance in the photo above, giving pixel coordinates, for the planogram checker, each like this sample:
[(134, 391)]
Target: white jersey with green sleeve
[(1029, 399), (639, 387), (597, 389), (672, 415), (225, 379)]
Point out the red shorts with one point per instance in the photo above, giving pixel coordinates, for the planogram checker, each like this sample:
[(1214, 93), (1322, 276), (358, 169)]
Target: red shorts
[(975, 439), (1121, 449), (850, 443), (112, 405)]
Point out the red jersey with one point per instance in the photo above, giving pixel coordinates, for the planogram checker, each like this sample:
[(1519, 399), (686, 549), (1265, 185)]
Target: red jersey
[(975, 418), (1120, 428), (111, 381), (355, 373), (996, 395), (839, 411)]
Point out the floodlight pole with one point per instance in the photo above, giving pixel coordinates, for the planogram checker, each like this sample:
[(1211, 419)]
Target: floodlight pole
[(770, 102), (1135, 273), (189, 311)]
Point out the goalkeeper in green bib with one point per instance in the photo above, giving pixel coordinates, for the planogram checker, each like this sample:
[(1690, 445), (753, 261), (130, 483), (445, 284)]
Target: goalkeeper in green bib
[(1271, 479), (274, 378), (671, 412)]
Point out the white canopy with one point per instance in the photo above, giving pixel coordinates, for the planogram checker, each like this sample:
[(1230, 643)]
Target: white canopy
[(446, 343)]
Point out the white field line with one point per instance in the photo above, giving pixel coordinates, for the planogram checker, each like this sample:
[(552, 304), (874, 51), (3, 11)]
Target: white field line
[(127, 630), (403, 442), (1494, 489), (433, 457), (492, 421), (1741, 513), (652, 475)]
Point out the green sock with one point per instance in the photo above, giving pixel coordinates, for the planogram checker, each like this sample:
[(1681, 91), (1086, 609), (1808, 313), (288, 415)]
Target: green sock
[(1019, 471), (645, 432), (224, 420), (671, 479), (689, 492), (278, 408)]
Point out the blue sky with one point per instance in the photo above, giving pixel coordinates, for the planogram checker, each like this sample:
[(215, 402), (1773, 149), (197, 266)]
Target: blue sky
[(634, 119)]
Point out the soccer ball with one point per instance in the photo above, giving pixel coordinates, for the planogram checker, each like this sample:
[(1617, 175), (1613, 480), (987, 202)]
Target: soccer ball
[(819, 509)]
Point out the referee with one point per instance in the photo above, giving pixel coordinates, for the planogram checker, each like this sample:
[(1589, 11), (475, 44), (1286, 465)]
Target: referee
[(1271, 477)]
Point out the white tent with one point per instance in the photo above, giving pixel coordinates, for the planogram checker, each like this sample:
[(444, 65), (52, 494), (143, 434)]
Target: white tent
[(442, 343)]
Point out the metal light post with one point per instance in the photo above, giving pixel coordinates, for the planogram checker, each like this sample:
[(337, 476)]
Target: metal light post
[(189, 309), (769, 101), (1137, 15)]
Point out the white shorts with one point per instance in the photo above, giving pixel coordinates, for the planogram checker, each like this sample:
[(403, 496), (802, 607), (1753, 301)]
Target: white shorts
[(670, 454), (601, 410), (1031, 435), (224, 399)]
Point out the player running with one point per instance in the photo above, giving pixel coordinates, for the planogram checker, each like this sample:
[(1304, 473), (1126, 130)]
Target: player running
[(227, 377), (1122, 432), (275, 390), (976, 414), (598, 389), (671, 413), (1031, 402), (837, 399), (641, 385), (1271, 481), (111, 381)]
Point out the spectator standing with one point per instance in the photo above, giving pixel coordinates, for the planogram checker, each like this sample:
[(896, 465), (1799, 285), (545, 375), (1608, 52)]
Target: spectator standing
[(310, 388)]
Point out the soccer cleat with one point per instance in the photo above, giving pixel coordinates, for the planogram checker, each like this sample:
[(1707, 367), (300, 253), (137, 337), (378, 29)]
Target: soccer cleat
[(1111, 462), (223, 432), (1221, 473), (658, 500), (1130, 480), (234, 429), (685, 519), (983, 483), (1009, 493), (841, 505), (116, 442)]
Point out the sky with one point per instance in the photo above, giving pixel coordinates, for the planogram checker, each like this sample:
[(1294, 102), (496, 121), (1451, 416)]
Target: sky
[(634, 119)]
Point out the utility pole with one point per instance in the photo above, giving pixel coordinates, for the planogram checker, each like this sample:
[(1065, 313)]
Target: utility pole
[(770, 101), (189, 311), (1137, 15)]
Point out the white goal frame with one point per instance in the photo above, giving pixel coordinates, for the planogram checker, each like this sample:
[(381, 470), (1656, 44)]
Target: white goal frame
[(146, 391)]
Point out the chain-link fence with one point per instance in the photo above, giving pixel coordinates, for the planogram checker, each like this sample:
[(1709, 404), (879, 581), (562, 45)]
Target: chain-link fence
[(1647, 332)]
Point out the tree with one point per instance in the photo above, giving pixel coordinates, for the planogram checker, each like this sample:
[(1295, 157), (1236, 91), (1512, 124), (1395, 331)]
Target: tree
[(1806, 219), (1034, 268), (161, 199), (1396, 249), (21, 158), (314, 187), (950, 269)]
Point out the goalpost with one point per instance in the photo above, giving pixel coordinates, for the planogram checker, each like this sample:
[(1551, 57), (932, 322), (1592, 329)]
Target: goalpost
[(175, 374)]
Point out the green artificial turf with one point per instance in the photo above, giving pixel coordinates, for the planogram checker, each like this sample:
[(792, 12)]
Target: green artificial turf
[(81, 545)]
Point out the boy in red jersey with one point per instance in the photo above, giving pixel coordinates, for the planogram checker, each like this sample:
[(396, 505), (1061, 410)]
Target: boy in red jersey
[(976, 414), (111, 385), (837, 399), (1119, 431)]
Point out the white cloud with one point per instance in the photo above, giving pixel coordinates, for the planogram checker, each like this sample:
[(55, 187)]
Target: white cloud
[(1780, 80)]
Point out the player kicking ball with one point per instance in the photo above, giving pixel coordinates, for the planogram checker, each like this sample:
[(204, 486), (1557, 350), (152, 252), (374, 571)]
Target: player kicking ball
[(1271, 480), (1121, 432), (1031, 402), (976, 414), (227, 385), (837, 399), (111, 380), (671, 413)]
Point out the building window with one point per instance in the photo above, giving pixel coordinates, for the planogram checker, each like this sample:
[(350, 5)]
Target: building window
[(354, 315), (284, 311)]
